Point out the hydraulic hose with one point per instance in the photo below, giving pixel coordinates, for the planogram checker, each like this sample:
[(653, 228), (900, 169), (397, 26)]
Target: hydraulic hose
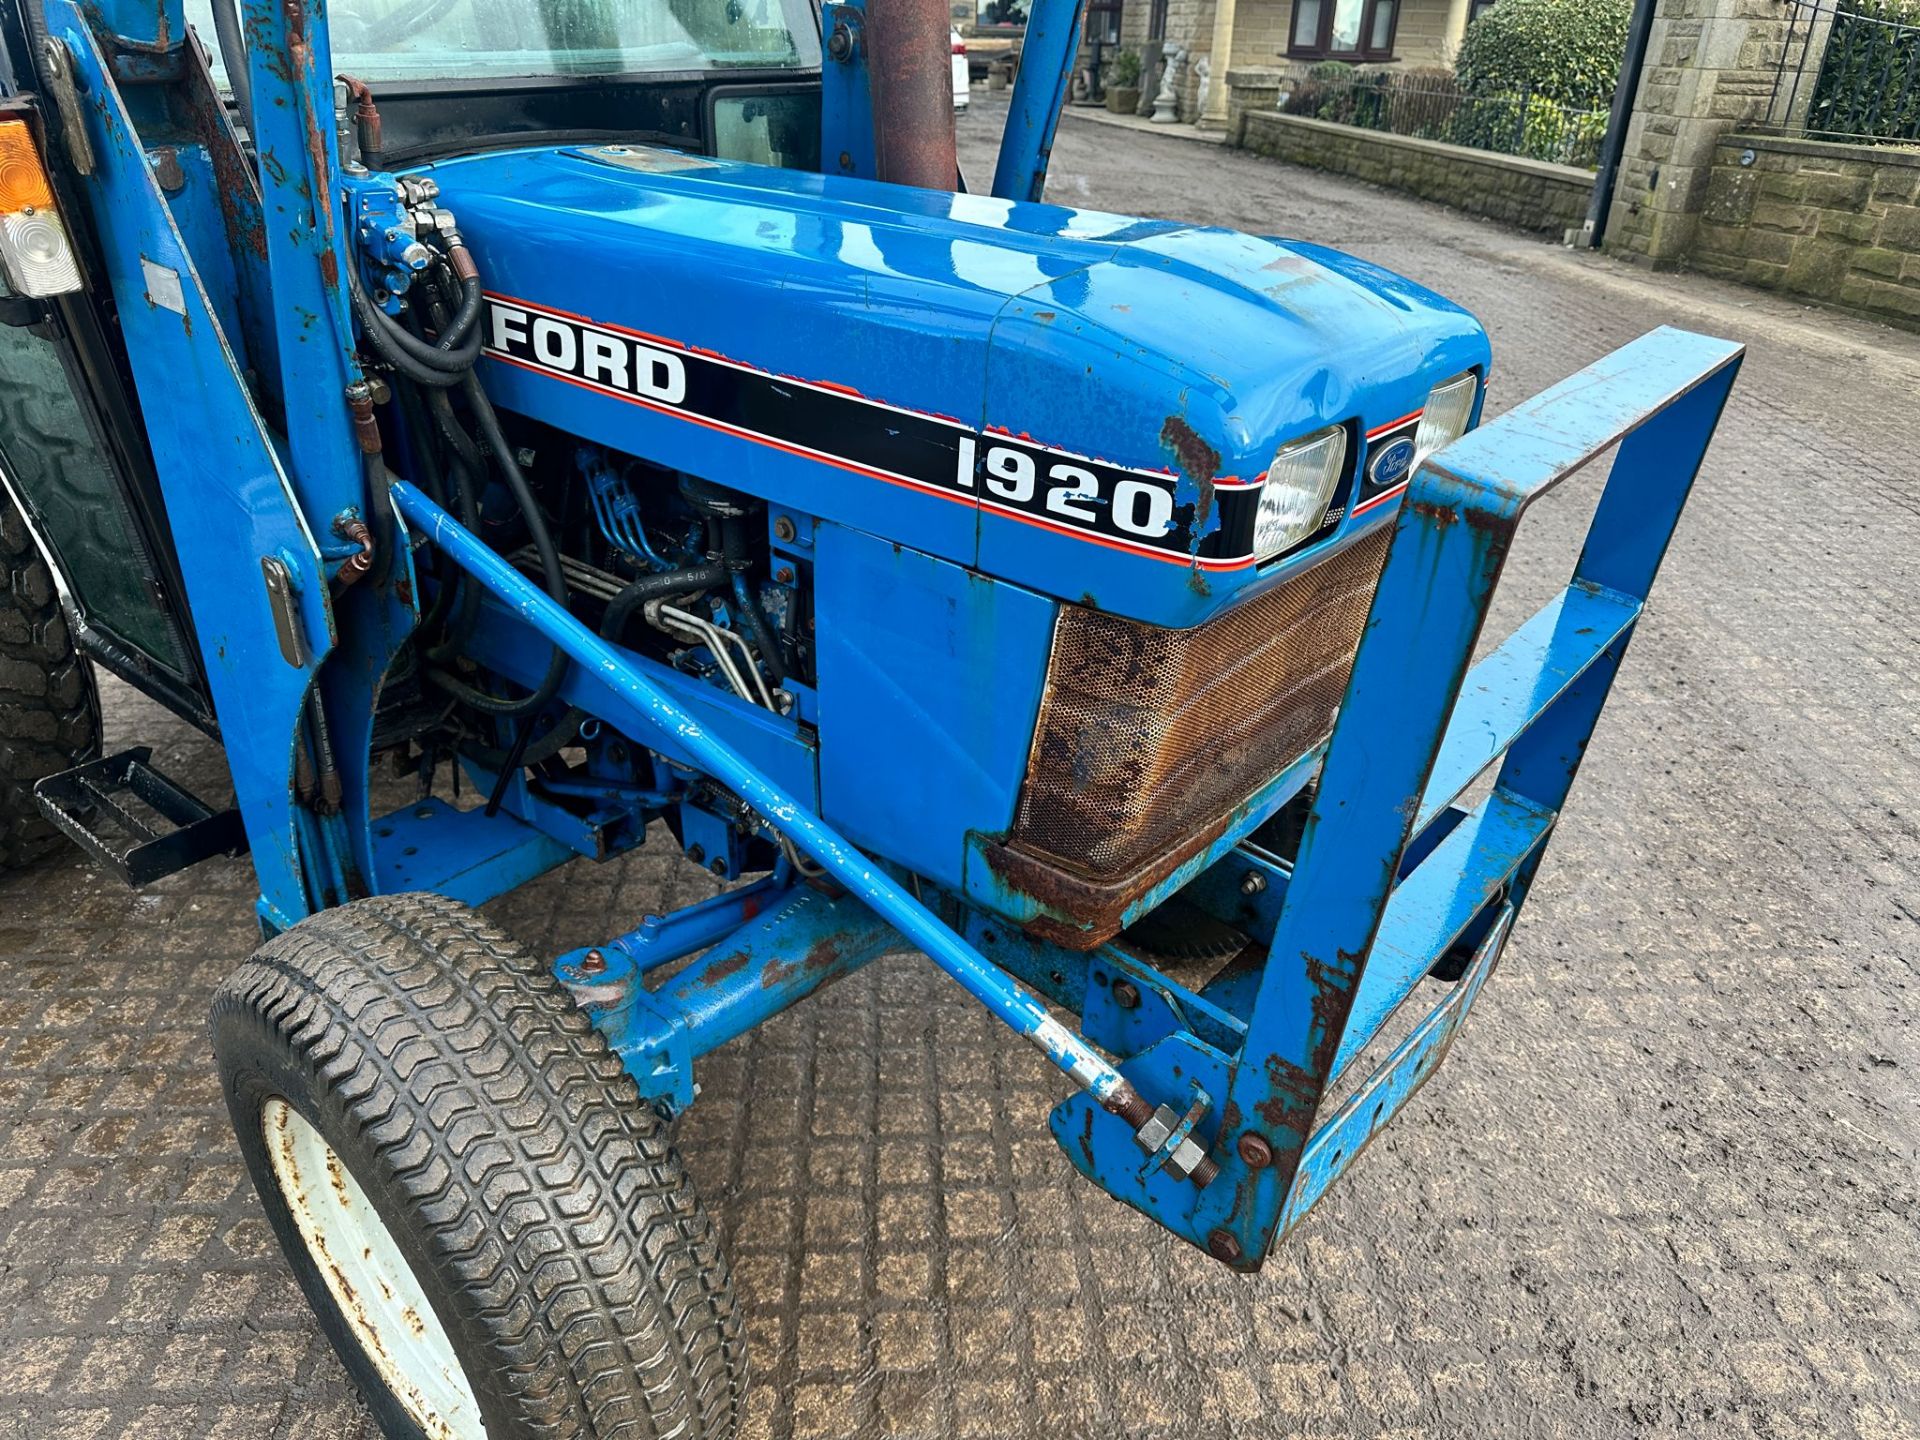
[(479, 699), (437, 371), (763, 637), (233, 54), (379, 329), (459, 344), (509, 463), (654, 587), (537, 752), (420, 361), (465, 465), (455, 434), (552, 576), (733, 541), (466, 317), (380, 516), (453, 582), (454, 641)]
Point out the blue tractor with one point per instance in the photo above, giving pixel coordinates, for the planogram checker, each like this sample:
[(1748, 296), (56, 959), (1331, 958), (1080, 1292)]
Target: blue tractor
[(615, 421)]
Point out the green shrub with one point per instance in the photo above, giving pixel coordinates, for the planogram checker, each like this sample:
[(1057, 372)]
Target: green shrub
[(1324, 82), (1124, 69), (1431, 104), (1870, 78), (1532, 126), (1569, 51)]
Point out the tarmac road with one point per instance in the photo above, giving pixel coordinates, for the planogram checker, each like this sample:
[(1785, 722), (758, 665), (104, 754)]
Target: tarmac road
[(1666, 1185)]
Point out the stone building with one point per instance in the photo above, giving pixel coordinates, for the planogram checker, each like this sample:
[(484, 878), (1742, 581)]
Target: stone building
[(1265, 34)]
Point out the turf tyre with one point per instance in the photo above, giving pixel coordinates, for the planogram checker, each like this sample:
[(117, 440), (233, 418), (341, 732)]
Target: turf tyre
[(532, 1193), (49, 706)]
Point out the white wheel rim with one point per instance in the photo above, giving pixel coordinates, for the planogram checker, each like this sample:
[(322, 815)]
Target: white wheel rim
[(370, 1279)]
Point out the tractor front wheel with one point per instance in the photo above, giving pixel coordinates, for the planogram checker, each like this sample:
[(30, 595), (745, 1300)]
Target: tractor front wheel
[(49, 710), (487, 1219)]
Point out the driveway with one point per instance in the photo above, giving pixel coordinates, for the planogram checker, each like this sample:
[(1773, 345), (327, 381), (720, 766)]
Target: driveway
[(1666, 1185)]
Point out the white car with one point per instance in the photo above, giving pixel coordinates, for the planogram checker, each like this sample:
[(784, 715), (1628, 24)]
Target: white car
[(961, 79)]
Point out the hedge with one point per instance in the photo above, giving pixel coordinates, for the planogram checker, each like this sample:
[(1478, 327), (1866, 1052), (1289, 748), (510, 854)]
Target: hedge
[(1565, 51), (1431, 105), (1870, 78)]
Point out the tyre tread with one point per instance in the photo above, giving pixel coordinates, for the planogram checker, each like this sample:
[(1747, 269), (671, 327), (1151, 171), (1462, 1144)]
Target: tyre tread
[(49, 707), (545, 1186)]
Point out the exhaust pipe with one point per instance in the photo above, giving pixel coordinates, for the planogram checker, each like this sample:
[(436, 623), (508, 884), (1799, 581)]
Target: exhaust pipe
[(910, 67)]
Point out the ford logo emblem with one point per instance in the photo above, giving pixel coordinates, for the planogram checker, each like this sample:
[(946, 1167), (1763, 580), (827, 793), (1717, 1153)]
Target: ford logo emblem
[(1392, 465)]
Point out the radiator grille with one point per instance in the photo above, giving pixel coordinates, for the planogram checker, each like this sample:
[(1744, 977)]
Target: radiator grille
[(1146, 735)]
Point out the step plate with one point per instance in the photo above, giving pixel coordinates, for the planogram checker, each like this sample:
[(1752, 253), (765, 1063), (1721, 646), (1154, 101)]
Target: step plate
[(133, 820)]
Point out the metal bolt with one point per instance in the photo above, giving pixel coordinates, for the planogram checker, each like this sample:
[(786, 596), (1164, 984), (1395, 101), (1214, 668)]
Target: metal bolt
[(1253, 883), (697, 854), (166, 169), (1255, 1152), (524, 456), (718, 867), (783, 527), (1222, 1246), (592, 963), (784, 575), (840, 43), (1126, 995)]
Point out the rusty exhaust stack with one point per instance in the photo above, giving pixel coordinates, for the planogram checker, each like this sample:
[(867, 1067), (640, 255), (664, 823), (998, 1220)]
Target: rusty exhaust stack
[(910, 64)]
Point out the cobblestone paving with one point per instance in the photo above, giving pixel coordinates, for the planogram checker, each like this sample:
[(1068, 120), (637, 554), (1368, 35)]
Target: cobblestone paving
[(1667, 1184)]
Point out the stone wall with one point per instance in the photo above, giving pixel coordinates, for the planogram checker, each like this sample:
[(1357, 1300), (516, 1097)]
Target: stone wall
[(1710, 68), (1257, 87), (1531, 194), (1835, 223)]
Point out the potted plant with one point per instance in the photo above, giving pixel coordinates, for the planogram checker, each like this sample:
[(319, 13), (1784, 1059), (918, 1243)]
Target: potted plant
[(1123, 82)]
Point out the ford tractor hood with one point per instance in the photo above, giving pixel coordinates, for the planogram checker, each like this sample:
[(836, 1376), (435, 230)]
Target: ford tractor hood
[(1081, 403)]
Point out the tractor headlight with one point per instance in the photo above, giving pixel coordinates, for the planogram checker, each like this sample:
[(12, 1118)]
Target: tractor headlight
[(1449, 412), (1300, 483)]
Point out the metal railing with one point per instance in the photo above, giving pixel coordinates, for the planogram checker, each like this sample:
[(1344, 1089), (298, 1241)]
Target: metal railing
[(1850, 70), (1430, 107)]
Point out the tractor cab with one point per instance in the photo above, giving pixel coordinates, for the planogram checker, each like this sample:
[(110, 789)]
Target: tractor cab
[(716, 77)]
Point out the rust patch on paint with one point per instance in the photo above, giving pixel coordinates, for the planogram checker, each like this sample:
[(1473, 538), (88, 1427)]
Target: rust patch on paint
[(1198, 460)]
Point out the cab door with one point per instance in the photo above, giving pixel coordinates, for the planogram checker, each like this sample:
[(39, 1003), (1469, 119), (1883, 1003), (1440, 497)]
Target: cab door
[(73, 453)]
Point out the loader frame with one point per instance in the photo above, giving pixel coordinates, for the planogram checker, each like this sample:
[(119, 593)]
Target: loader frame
[(1206, 1109)]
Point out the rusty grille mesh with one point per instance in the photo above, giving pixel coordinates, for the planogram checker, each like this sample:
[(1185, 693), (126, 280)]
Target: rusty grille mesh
[(1145, 735)]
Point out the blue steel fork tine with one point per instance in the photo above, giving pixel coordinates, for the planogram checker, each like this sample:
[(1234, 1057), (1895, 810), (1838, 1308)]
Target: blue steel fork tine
[(1664, 393)]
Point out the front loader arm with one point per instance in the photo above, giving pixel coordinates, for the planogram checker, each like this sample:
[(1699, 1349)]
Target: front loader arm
[(261, 509)]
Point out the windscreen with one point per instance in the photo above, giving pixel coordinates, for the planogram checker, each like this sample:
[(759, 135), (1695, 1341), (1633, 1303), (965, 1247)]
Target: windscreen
[(425, 40)]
